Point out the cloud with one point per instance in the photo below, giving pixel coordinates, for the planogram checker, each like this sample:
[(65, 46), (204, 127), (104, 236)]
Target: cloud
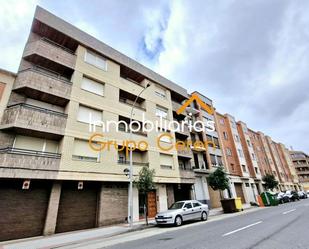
[(15, 21), (250, 57)]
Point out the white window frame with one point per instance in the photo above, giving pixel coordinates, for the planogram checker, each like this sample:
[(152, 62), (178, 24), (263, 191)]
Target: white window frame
[(97, 57), (94, 82)]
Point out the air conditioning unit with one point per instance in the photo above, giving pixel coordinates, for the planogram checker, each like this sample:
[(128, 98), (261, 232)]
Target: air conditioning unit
[(26, 184)]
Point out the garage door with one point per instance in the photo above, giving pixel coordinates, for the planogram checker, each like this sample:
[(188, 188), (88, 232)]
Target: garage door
[(22, 212), (77, 208), (239, 191)]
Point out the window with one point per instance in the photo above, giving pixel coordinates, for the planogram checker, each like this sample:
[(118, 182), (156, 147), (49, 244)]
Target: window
[(166, 161), (196, 204), (188, 205), (216, 141), (95, 60), (256, 170), (232, 167), (36, 144), (253, 157), (219, 158), (160, 92), (225, 135), (247, 185), (161, 112), (222, 121), (244, 168), (228, 152), (237, 138), (166, 139), (92, 86), (83, 152), (241, 154), (89, 115), (213, 160), (210, 143), (248, 142)]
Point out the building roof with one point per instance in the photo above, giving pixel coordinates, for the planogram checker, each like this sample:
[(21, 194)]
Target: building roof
[(91, 42), (9, 73)]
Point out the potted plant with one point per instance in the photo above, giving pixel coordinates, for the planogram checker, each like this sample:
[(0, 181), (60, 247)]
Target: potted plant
[(145, 184), (218, 180)]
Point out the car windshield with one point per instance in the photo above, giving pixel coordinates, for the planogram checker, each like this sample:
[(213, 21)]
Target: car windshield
[(177, 205)]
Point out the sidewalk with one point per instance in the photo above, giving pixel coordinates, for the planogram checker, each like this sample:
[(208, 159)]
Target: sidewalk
[(56, 240)]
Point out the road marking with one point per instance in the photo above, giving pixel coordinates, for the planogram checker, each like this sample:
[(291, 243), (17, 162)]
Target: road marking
[(286, 212), (242, 228)]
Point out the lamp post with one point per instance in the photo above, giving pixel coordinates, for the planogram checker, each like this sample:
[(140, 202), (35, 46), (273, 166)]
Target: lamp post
[(130, 204)]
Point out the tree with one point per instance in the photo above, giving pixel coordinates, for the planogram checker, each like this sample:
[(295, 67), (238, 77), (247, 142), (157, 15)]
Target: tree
[(145, 184), (270, 181), (218, 180)]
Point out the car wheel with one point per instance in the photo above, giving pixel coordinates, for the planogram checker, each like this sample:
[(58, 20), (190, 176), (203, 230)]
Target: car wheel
[(178, 221), (204, 216)]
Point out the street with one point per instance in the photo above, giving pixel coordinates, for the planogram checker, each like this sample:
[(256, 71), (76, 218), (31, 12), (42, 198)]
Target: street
[(285, 226)]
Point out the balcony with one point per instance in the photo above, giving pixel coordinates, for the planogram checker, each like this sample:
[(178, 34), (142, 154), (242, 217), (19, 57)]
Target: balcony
[(129, 99), (176, 105), (28, 159), (38, 51), (184, 152), (46, 86), (29, 119)]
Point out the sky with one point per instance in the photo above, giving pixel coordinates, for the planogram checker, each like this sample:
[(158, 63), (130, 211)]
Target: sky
[(250, 57)]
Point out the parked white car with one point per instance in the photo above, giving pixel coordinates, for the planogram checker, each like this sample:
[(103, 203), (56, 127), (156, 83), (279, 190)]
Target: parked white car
[(183, 211)]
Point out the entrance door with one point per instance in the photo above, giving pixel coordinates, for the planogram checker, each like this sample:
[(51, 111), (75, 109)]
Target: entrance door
[(239, 191), (152, 204)]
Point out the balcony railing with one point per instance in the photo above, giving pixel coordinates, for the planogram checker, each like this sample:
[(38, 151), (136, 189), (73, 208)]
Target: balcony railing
[(31, 117), (11, 150), (141, 133), (127, 102), (51, 50), (43, 81), (14, 158), (134, 163)]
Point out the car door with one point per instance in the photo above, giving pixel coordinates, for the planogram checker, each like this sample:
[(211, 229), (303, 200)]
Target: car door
[(187, 213), (197, 207)]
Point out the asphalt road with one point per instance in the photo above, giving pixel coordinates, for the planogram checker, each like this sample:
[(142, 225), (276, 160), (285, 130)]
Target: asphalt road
[(285, 226)]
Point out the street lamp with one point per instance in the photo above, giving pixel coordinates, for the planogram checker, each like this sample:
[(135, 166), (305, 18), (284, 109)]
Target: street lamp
[(130, 204)]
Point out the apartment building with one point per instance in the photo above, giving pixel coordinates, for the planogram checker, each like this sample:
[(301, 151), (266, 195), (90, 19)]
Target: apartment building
[(67, 80), (65, 77), (239, 161), (208, 157), (301, 166)]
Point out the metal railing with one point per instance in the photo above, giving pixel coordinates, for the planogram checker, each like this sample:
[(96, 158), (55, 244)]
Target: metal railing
[(40, 109), (45, 39), (26, 152), (134, 163), (47, 72)]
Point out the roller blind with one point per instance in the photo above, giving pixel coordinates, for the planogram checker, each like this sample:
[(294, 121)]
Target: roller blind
[(51, 146), (87, 114), (82, 149), (95, 60), (166, 160), (92, 86), (29, 143)]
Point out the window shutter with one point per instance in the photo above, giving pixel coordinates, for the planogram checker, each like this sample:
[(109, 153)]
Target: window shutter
[(92, 86)]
